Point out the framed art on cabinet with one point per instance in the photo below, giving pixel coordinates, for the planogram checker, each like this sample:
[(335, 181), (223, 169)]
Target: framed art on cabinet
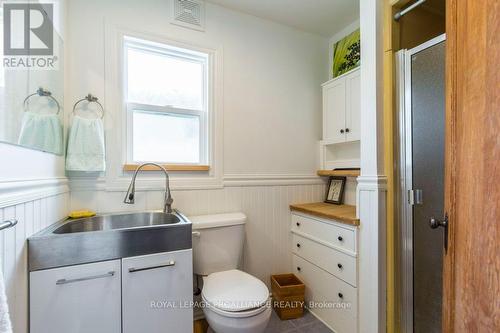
[(335, 190)]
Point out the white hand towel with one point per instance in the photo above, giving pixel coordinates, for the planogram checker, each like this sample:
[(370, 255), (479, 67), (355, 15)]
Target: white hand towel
[(5, 325), (42, 131), (86, 150)]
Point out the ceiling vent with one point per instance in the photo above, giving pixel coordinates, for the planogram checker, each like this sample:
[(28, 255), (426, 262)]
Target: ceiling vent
[(189, 14)]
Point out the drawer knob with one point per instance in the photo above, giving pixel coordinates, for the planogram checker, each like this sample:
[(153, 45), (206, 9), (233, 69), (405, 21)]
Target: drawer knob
[(298, 268), (298, 244), (342, 131), (341, 295), (339, 265), (298, 224), (340, 238), (347, 130)]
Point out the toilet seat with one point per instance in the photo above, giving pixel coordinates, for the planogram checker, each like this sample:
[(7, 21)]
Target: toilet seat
[(234, 293), (235, 314)]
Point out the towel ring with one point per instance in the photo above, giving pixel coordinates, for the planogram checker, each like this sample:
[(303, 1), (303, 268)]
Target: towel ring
[(90, 99), (41, 92)]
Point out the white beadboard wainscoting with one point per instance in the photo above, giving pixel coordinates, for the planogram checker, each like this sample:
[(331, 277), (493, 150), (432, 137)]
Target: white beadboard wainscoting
[(268, 237), (32, 216)]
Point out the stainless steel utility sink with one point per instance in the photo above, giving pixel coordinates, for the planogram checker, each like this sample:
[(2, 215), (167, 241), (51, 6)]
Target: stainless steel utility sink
[(108, 237), (116, 222)]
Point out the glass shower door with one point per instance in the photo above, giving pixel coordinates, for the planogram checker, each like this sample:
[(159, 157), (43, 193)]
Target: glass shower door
[(422, 133)]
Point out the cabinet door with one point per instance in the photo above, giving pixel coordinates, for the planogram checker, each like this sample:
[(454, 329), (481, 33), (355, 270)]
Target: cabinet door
[(334, 105), (76, 299), (157, 293), (353, 108)]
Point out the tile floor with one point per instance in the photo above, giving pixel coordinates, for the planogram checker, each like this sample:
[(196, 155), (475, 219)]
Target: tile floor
[(306, 324)]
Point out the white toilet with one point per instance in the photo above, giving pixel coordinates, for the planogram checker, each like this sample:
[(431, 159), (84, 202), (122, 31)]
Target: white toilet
[(234, 301)]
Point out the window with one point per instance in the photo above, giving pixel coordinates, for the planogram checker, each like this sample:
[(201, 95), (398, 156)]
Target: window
[(166, 103)]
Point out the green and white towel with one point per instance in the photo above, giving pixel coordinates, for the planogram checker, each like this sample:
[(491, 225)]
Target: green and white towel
[(86, 150), (42, 131)]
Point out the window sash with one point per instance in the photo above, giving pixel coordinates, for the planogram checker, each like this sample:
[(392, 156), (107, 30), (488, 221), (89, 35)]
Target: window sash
[(178, 53), (155, 109)]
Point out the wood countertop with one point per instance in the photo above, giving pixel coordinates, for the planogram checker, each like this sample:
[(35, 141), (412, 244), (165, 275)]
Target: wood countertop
[(342, 213)]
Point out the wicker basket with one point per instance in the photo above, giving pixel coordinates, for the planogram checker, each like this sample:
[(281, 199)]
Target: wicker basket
[(288, 296)]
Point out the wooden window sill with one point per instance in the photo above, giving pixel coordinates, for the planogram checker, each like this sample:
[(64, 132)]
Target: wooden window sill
[(168, 167)]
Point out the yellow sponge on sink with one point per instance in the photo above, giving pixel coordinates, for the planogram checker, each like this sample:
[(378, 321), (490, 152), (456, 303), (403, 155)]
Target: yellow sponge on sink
[(77, 214)]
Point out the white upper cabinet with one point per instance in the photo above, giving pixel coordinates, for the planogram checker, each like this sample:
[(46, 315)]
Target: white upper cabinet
[(341, 108)]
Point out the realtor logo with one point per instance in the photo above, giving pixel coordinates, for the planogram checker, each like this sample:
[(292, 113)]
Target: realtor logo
[(28, 35)]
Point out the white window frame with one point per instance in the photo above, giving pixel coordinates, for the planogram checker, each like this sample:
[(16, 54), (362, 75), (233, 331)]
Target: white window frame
[(186, 54)]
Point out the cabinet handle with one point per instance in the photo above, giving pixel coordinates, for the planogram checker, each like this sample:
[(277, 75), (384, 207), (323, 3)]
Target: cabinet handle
[(339, 265), (342, 131), (298, 245), (347, 130), (168, 264), (340, 238), (93, 277), (196, 234), (298, 268), (298, 224), (341, 295)]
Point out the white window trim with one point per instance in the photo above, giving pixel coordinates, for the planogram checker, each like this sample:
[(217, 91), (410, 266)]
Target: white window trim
[(203, 113), (116, 116)]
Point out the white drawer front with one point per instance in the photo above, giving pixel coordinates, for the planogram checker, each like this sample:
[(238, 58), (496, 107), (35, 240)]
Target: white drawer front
[(335, 262), (327, 232), (323, 287)]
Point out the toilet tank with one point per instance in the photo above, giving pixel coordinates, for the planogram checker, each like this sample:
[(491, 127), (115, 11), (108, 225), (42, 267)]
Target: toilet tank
[(217, 242)]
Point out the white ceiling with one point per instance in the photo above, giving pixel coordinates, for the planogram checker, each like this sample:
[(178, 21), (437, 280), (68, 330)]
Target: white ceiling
[(324, 17)]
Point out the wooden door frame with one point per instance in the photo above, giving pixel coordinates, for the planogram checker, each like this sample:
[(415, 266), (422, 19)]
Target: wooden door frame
[(450, 149)]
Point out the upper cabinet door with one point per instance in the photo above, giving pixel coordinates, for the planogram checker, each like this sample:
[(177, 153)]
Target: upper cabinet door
[(77, 299), (334, 106), (157, 293), (353, 107)]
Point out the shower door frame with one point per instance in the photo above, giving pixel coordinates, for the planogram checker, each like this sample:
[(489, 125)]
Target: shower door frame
[(404, 171)]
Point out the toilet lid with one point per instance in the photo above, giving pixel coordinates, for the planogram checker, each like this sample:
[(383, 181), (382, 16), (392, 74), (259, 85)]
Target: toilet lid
[(234, 290)]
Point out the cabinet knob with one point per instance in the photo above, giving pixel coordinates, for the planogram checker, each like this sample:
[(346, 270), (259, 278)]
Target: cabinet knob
[(298, 244), (342, 131), (298, 224), (339, 265), (340, 238), (341, 295), (298, 268), (347, 130)]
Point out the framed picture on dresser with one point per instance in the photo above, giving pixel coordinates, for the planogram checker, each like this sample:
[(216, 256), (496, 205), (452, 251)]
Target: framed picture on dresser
[(335, 190)]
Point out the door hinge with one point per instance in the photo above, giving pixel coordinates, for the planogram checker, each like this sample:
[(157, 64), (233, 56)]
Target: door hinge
[(415, 197)]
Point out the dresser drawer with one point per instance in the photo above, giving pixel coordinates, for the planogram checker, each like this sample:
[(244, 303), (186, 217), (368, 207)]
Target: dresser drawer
[(331, 299), (335, 262), (333, 234)]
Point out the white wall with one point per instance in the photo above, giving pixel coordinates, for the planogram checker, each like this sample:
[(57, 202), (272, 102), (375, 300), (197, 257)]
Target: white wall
[(32, 216), (33, 190), (271, 77)]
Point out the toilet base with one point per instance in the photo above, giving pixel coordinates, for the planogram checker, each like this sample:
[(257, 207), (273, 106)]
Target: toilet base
[(253, 324)]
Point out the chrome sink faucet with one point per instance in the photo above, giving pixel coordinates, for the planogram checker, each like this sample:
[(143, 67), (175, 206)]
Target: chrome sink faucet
[(167, 202)]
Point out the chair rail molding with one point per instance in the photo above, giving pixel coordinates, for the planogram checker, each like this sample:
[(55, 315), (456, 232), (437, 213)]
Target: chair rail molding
[(13, 192)]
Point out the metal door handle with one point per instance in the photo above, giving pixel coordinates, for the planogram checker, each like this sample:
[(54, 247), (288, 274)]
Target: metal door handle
[(435, 223), (168, 264), (93, 277)]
